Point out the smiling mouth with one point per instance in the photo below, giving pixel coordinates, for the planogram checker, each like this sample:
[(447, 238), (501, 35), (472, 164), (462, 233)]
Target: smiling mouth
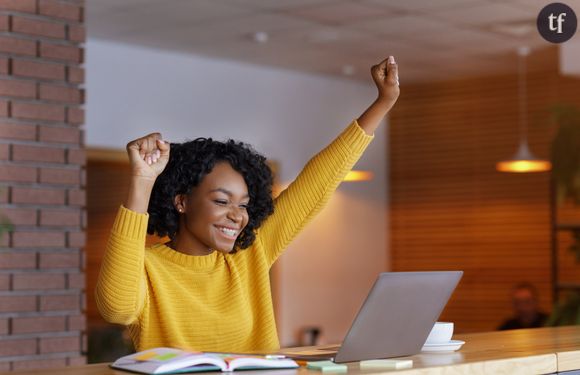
[(228, 232)]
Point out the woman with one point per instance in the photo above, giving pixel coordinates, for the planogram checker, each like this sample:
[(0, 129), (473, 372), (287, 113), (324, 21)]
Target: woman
[(208, 288)]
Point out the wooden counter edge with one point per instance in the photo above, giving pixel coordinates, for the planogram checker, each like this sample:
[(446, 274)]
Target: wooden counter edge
[(535, 364)]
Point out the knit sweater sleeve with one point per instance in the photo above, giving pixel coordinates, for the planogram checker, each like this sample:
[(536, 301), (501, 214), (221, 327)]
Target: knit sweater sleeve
[(121, 290), (310, 191)]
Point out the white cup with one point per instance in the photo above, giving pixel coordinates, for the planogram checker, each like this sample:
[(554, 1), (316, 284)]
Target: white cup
[(441, 333)]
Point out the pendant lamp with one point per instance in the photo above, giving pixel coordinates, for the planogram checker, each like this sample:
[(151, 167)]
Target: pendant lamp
[(523, 161), (356, 175)]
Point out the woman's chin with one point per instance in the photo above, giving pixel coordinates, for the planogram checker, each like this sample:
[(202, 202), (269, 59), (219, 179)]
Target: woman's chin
[(223, 249)]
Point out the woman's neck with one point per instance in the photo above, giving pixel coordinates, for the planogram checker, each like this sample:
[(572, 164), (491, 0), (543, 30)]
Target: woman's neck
[(189, 246)]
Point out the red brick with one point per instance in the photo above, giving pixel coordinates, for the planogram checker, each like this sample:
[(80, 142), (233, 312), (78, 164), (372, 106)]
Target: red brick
[(38, 153), (4, 65), (84, 218), (4, 283), (5, 239), (15, 173), (77, 361), (77, 239), (76, 281), (76, 322), (59, 134), (17, 46), (5, 366), (17, 131), (60, 344), (77, 33), (4, 151), (60, 52), (75, 75), (60, 10), (17, 260), (76, 156), (18, 89), (37, 239), (38, 27), (3, 326), (36, 111), (17, 304), (77, 197), (75, 116), (37, 195), (20, 347), (62, 94), (4, 23), (4, 108), (4, 194), (60, 176), (84, 343), (40, 364), (60, 218), (59, 260), (27, 6), (20, 216), (62, 302), (41, 281), (41, 70), (38, 324)]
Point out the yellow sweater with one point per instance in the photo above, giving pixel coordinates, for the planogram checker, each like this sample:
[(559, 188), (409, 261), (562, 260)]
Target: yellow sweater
[(218, 302)]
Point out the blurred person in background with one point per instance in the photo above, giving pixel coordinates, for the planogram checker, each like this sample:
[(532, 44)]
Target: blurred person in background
[(526, 312)]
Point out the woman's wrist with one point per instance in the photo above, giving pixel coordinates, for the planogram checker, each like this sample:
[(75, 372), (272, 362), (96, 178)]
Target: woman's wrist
[(139, 193), (385, 103)]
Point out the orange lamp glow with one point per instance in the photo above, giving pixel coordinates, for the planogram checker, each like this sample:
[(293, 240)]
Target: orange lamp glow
[(353, 176), (523, 162)]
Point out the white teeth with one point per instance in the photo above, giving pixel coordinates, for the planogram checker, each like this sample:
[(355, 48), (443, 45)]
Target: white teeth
[(229, 232)]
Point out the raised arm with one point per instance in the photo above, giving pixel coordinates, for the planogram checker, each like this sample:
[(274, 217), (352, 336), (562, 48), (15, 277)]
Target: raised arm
[(386, 77), (121, 290), (308, 194)]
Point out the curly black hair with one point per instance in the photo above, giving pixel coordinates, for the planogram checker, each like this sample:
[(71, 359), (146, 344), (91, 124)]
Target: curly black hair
[(189, 163)]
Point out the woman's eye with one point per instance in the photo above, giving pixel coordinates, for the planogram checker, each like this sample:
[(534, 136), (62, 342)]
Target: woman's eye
[(244, 206), (220, 202)]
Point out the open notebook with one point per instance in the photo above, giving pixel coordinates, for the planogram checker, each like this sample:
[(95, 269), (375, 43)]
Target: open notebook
[(173, 361)]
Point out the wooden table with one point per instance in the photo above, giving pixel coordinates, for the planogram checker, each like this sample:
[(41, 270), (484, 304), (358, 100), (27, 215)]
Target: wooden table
[(530, 351)]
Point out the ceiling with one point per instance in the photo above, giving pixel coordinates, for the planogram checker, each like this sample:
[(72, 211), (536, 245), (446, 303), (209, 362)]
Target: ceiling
[(430, 39)]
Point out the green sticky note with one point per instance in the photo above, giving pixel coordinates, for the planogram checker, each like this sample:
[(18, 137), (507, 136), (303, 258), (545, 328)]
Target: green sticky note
[(166, 356), (326, 366), (393, 364)]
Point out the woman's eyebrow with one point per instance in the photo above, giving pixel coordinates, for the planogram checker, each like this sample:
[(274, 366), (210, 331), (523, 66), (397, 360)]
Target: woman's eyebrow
[(227, 192)]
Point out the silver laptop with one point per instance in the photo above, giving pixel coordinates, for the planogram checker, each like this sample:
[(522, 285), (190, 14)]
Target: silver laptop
[(396, 317)]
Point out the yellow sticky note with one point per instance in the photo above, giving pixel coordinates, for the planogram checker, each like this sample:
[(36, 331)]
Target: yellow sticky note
[(146, 356)]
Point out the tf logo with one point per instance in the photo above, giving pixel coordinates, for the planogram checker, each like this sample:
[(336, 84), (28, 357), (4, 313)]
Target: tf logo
[(557, 22)]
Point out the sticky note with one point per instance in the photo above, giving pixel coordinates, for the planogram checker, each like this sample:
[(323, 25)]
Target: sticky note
[(326, 366), (146, 356), (166, 356), (390, 364)]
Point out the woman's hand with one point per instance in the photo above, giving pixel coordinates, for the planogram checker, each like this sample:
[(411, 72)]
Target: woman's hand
[(386, 77), (148, 156)]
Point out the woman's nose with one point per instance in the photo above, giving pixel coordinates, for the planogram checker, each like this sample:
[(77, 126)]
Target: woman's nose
[(235, 214)]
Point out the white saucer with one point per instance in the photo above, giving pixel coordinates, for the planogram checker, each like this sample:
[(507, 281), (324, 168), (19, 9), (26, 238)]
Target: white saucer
[(449, 346)]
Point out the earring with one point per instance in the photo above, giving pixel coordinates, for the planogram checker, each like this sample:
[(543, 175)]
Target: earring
[(180, 210)]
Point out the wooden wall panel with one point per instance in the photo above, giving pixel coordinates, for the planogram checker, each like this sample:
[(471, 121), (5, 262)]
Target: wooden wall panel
[(450, 209)]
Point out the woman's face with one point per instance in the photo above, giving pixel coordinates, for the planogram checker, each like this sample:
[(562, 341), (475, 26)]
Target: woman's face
[(215, 212)]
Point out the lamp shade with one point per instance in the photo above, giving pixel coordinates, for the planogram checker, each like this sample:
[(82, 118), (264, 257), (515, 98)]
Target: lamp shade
[(523, 162), (359, 176)]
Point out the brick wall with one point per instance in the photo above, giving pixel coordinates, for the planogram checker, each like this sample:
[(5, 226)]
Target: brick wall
[(42, 159)]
